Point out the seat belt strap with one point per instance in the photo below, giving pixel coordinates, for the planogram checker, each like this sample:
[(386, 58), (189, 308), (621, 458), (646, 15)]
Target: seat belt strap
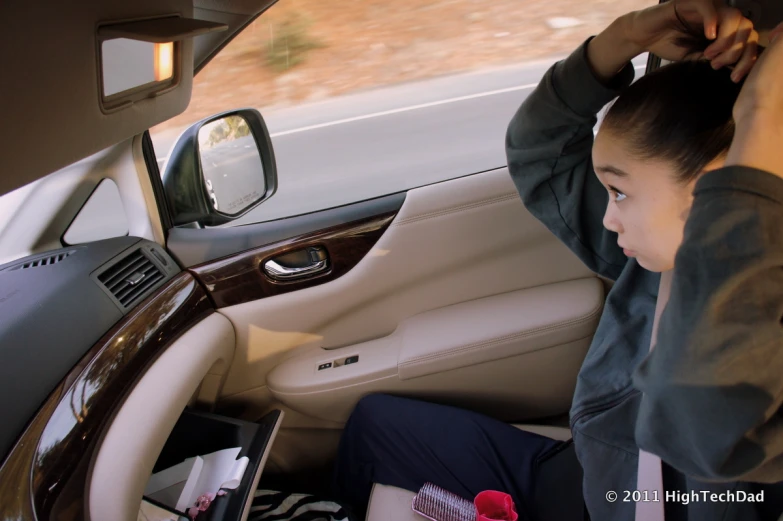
[(649, 479)]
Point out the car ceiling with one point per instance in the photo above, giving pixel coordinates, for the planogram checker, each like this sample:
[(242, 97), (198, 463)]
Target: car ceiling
[(49, 96)]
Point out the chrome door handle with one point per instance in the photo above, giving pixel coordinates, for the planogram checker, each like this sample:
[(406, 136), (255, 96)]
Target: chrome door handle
[(317, 262), (277, 271)]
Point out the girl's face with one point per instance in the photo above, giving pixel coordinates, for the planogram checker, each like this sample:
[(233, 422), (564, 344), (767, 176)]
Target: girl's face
[(647, 206)]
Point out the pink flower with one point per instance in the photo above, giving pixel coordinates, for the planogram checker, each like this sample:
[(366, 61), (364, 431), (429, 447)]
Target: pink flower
[(202, 504), (204, 500)]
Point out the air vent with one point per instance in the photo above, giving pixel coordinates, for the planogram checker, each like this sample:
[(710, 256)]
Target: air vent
[(130, 278), (44, 261)]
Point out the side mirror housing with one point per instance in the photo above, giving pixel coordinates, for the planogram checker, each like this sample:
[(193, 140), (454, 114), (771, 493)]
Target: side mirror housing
[(220, 169)]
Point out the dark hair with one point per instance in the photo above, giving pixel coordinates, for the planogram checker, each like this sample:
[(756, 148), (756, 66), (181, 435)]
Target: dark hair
[(681, 113)]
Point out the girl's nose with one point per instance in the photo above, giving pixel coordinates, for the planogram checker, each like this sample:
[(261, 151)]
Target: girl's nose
[(611, 222)]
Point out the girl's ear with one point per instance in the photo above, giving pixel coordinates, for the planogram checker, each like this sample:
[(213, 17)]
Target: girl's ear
[(685, 212), (687, 205), (715, 164)]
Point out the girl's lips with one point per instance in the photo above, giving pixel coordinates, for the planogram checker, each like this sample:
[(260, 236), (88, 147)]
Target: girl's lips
[(629, 253)]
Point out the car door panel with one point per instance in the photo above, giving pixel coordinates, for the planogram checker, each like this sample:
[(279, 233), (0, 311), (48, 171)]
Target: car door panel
[(198, 247), (450, 243), (517, 353), (241, 278)]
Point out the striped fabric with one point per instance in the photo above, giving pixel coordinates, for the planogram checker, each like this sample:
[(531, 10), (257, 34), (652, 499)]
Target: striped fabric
[(269, 505)]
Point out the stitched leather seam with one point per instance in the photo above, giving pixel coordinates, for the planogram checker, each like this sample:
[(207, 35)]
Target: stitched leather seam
[(455, 209), (501, 340)]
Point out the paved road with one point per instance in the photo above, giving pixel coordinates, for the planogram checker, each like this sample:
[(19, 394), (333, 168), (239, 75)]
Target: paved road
[(234, 173), (386, 140)]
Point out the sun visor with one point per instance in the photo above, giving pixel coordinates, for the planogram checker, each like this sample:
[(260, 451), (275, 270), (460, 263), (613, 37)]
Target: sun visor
[(78, 77)]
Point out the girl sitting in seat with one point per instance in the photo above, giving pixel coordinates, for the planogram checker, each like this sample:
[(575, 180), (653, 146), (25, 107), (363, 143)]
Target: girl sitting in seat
[(650, 193)]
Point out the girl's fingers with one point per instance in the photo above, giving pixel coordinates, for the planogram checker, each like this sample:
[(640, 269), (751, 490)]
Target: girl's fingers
[(748, 59), (776, 32), (709, 15), (728, 26), (733, 54)]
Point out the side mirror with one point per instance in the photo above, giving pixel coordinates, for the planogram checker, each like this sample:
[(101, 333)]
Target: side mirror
[(220, 168)]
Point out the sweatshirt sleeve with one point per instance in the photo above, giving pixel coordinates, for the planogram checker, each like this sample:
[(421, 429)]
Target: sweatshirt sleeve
[(549, 150), (713, 385)]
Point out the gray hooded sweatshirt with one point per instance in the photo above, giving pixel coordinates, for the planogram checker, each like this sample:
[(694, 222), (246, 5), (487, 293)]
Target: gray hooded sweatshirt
[(707, 399)]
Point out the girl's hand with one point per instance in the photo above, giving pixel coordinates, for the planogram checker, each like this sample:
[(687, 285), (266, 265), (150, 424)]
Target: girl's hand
[(694, 29), (677, 30), (758, 113), (775, 33)]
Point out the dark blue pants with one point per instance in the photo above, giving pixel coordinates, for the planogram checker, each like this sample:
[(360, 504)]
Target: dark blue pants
[(405, 443)]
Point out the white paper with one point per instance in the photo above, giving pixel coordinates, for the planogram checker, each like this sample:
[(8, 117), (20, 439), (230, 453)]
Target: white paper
[(198, 470), (217, 468), (174, 486), (181, 485), (170, 476), (234, 478)]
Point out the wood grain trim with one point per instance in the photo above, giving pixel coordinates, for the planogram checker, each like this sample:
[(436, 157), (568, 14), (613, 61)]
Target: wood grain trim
[(44, 477), (239, 278)]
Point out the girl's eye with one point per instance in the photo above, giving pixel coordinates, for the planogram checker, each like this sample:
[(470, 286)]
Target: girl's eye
[(618, 195)]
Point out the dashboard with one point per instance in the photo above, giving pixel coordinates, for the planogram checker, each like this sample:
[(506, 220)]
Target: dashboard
[(54, 307), (79, 326)]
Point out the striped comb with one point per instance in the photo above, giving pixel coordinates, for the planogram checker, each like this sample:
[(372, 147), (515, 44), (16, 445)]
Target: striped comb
[(438, 504)]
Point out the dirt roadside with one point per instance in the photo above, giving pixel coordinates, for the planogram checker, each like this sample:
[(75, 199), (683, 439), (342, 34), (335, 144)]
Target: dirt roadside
[(360, 44)]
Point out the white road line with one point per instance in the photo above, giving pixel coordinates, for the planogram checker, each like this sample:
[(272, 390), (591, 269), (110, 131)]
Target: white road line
[(414, 107), (408, 109), (405, 109)]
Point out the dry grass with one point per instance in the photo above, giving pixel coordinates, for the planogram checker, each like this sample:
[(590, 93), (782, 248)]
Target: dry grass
[(338, 47)]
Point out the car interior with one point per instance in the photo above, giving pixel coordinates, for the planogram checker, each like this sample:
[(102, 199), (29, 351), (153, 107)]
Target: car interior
[(177, 337)]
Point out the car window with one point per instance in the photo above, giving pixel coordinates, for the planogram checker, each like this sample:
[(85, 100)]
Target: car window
[(381, 97)]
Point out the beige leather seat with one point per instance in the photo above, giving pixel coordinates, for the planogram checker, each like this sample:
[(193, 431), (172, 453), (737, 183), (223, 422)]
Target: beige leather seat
[(394, 504)]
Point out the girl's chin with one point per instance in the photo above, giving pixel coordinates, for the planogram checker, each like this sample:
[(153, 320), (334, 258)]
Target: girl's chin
[(655, 267)]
